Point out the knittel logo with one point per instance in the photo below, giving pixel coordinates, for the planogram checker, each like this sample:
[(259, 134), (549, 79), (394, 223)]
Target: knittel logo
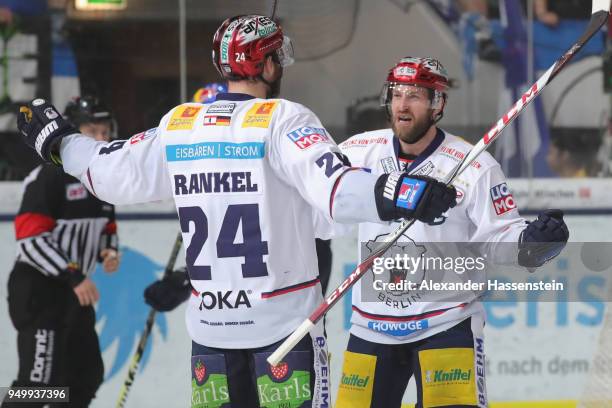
[(447, 376), (354, 380)]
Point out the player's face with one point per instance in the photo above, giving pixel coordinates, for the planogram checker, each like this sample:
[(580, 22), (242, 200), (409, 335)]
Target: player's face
[(411, 113), (100, 131)]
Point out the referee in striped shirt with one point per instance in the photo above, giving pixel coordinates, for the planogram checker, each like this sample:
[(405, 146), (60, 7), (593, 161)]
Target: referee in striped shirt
[(62, 231)]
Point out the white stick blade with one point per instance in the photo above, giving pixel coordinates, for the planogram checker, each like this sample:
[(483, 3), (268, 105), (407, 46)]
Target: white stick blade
[(290, 342)]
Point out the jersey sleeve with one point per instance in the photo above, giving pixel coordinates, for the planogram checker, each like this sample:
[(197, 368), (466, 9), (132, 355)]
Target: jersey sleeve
[(43, 197), (495, 215), (305, 156), (123, 171)]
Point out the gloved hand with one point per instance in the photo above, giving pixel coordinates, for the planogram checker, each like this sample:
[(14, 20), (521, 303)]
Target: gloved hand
[(43, 128), (167, 293), (400, 195), (542, 239)]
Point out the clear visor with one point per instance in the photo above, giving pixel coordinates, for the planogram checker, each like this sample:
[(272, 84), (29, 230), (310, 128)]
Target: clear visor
[(411, 93), (285, 52)]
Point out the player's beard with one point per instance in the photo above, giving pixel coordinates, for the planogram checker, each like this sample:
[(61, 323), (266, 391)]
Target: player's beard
[(415, 132)]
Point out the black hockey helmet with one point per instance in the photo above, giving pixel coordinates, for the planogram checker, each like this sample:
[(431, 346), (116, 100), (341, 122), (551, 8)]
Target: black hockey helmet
[(87, 109)]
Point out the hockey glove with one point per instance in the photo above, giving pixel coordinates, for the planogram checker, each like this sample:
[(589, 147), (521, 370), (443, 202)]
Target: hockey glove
[(167, 293), (399, 195), (542, 239), (43, 128)]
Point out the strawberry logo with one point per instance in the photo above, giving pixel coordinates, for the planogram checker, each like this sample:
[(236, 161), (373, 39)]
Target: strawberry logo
[(200, 371), (279, 371)]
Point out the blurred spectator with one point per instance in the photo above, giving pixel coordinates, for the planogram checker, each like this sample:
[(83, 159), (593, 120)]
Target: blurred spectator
[(551, 12), (573, 152), (476, 13)]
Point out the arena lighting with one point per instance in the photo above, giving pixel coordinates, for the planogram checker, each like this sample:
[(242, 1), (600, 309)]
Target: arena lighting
[(87, 5)]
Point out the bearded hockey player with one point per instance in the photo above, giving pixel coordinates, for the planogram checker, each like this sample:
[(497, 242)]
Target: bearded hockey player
[(399, 336)]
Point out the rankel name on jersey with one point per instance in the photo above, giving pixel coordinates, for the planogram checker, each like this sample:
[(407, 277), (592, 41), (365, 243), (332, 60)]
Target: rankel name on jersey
[(217, 182)]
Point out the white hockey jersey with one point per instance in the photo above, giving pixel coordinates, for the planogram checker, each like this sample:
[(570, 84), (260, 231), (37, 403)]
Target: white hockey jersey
[(248, 176), (481, 215)]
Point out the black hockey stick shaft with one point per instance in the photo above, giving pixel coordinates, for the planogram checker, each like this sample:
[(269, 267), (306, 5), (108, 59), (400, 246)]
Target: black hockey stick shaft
[(599, 16), (135, 362)]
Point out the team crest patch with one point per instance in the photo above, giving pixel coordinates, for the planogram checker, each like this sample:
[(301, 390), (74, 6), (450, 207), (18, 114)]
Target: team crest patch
[(183, 117), (216, 120), (259, 115), (307, 136)]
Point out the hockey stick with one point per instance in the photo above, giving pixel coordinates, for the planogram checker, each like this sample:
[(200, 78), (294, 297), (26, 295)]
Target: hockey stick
[(127, 384), (600, 12), (273, 13)]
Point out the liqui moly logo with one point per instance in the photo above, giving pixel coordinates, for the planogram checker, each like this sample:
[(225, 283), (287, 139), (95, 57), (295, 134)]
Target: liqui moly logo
[(502, 199), (509, 116)]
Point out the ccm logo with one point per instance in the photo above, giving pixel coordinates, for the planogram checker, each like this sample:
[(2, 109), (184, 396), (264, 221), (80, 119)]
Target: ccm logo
[(502, 199)]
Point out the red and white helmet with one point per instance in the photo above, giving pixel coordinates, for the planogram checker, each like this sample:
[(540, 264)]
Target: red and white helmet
[(242, 43), (424, 72)]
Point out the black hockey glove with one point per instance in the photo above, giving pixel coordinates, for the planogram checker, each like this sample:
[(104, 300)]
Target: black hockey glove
[(43, 128), (167, 293), (542, 239), (400, 195)]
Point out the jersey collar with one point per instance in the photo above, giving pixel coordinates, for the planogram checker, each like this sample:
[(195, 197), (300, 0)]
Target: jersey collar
[(438, 139), (222, 96)]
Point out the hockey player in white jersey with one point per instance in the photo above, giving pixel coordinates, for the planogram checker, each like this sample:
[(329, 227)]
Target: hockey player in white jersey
[(247, 174), (396, 335)]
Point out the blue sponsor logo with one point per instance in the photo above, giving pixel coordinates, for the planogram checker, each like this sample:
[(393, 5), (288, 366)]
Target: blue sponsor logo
[(215, 150), (398, 328), (410, 192), (306, 136)]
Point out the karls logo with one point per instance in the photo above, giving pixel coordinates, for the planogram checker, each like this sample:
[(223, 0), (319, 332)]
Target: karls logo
[(502, 199), (224, 300), (307, 136), (43, 358), (501, 124)]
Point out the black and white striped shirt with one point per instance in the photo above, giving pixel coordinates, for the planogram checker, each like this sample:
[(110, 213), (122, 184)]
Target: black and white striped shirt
[(60, 226)]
